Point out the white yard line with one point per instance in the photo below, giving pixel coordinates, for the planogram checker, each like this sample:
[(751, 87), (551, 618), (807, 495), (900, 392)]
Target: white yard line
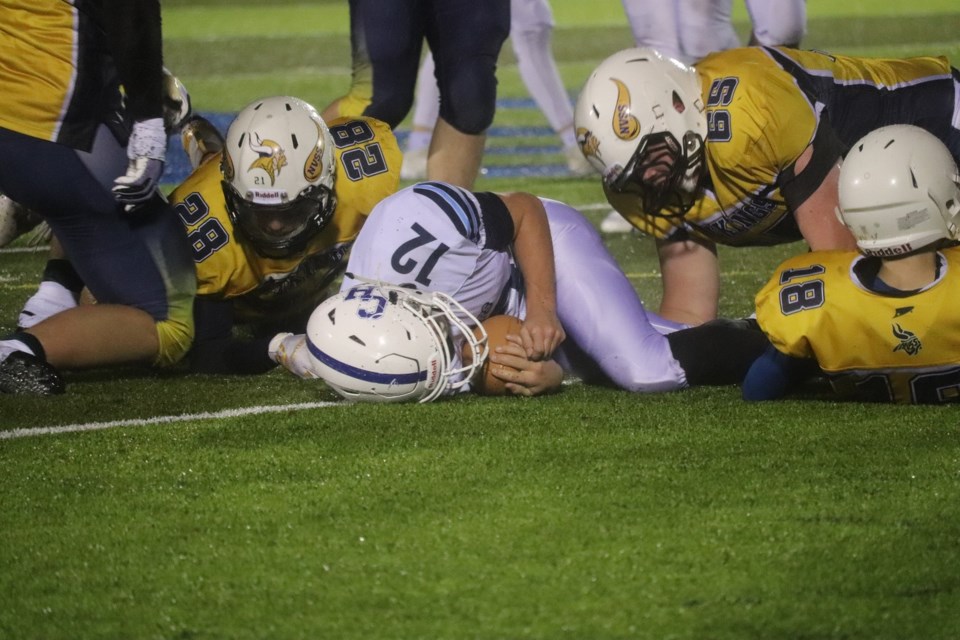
[(144, 422)]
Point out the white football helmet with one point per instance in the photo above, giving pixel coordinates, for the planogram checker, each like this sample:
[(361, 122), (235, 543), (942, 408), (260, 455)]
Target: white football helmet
[(899, 191), (640, 122), (278, 174), (380, 343)]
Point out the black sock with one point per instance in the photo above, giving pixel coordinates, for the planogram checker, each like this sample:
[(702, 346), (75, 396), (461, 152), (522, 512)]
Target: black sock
[(61, 271)]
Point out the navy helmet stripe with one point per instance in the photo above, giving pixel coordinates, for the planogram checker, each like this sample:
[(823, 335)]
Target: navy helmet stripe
[(453, 202), (363, 374)]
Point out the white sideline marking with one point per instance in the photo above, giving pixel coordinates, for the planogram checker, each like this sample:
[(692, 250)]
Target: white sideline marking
[(143, 422)]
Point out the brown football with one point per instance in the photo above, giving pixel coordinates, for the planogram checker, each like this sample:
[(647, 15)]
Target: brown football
[(497, 328)]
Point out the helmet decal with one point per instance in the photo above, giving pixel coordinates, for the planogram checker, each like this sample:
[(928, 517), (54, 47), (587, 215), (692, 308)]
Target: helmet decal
[(625, 124), (313, 168), (589, 143), (271, 157), (226, 167)]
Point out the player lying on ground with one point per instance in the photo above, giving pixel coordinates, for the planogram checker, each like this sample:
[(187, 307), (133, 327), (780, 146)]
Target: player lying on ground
[(542, 261), (883, 324)]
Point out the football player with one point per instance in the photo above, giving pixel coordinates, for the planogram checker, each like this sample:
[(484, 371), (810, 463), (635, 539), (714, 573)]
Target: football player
[(531, 29), (539, 260), (269, 219), (465, 37), (83, 143), (744, 148), (687, 30), (882, 324)]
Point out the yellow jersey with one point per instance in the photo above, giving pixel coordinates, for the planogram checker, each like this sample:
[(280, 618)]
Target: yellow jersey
[(268, 288), (764, 106), (873, 346), (52, 71)]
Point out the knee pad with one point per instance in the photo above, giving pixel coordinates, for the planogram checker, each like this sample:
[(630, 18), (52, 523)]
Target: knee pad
[(468, 95)]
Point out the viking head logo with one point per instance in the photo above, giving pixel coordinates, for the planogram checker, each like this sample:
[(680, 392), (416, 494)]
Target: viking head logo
[(909, 342), (625, 125), (271, 157), (589, 144)]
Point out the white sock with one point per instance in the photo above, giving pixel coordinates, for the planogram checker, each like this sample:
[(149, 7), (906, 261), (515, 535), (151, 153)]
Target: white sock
[(9, 346), (51, 298)]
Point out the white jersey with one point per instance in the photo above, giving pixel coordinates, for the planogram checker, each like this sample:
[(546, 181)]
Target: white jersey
[(418, 228), (438, 237)]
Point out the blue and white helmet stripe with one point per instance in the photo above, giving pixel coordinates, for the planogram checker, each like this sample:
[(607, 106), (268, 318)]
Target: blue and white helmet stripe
[(364, 374), (457, 203)]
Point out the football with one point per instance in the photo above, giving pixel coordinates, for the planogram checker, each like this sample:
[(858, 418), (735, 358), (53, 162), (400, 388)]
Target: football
[(497, 328)]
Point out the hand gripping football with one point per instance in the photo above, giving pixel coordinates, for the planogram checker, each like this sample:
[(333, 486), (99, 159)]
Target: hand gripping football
[(497, 328)]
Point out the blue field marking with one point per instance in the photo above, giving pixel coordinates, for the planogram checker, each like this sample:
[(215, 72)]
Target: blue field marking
[(533, 165)]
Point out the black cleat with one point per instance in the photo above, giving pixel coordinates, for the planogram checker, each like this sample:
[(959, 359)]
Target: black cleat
[(25, 374)]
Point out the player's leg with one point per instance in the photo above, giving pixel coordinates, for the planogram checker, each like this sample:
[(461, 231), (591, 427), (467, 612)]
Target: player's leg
[(654, 24), (601, 311), (531, 28), (465, 37), (705, 26), (137, 265), (59, 290), (393, 35), (777, 22), (358, 96), (426, 109)]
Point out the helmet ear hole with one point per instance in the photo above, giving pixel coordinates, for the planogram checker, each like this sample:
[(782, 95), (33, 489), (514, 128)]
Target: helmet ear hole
[(678, 103)]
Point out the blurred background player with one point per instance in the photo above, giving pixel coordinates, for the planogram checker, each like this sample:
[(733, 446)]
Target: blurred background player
[(687, 30), (531, 27), (542, 261), (882, 324), (744, 148), (465, 38), (87, 157), (270, 214)]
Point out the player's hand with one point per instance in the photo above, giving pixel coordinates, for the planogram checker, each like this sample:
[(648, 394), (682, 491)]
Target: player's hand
[(542, 333), (146, 150), (290, 350), (524, 377)]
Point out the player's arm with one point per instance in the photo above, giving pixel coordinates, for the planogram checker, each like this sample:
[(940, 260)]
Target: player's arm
[(215, 350), (690, 273), (133, 33), (811, 189), (542, 332), (773, 374)]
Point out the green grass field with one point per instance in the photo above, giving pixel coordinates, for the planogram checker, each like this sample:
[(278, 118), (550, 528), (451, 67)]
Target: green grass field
[(160, 505)]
